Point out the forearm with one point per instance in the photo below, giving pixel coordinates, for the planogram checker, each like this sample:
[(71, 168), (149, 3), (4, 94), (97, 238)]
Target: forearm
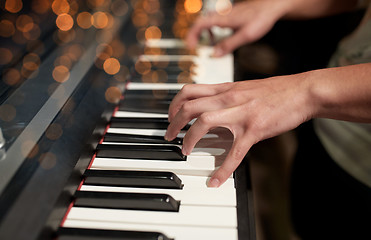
[(342, 93), (305, 9)]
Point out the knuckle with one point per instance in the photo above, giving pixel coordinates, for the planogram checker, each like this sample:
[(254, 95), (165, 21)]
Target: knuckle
[(206, 118), (187, 108)]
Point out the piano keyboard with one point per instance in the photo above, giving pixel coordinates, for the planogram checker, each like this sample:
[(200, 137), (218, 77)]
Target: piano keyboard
[(139, 186)]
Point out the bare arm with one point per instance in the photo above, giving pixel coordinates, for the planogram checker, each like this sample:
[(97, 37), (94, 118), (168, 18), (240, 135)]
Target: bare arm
[(260, 109)]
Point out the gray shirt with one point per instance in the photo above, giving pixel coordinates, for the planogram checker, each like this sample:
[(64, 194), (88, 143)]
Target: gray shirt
[(348, 143)]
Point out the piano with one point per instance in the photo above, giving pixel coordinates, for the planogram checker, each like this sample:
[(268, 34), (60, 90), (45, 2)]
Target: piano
[(85, 88)]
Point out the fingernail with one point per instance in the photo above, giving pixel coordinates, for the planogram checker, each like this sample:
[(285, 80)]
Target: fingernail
[(217, 52), (166, 137), (184, 151), (213, 183)]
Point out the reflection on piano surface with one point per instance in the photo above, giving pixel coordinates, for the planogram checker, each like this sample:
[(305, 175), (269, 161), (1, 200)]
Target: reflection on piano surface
[(85, 88)]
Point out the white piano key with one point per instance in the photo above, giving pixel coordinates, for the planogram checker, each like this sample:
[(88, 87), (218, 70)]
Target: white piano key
[(208, 71), (152, 132), (195, 151), (187, 196), (207, 216), (195, 165), (154, 86), (167, 58), (176, 232), (165, 43), (140, 114)]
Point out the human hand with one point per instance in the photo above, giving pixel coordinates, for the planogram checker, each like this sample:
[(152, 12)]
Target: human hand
[(251, 110), (251, 20)]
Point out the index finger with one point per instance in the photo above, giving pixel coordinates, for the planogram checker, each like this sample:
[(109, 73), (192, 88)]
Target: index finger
[(203, 22), (193, 91)]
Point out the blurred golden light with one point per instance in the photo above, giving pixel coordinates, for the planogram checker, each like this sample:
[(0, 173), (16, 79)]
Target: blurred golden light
[(54, 131), (7, 28), (111, 66), (19, 38), (5, 56), (26, 73), (7, 112), (96, 3), (63, 60), (153, 51), (61, 73), (223, 7), (33, 34), (40, 6), (150, 77), (12, 76), (111, 21), (84, 20), (64, 22), (48, 160), (31, 61), (60, 7), (192, 6), (26, 145), (139, 18), (151, 6), (184, 77), (119, 8), (161, 76), (74, 8), (160, 94), (153, 32), (65, 36), (24, 23), (113, 95), (143, 67), (13, 6), (100, 20)]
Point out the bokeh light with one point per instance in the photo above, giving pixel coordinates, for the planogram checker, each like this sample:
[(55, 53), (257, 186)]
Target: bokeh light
[(113, 95), (111, 66), (5, 56), (13, 6), (61, 73), (153, 32), (54, 131), (7, 112), (47, 160), (84, 20), (64, 22), (7, 28), (100, 20), (60, 7), (192, 6), (12, 76)]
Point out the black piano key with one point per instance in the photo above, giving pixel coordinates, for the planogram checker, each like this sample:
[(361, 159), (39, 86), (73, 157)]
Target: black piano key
[(169, 79), (132, 138), (142, 123), (65, 233), (171, 51), (144, 105), (150, 152), (120, 200), (140, 179)]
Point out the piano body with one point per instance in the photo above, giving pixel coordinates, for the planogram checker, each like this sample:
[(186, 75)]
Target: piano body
[(85, 87)]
